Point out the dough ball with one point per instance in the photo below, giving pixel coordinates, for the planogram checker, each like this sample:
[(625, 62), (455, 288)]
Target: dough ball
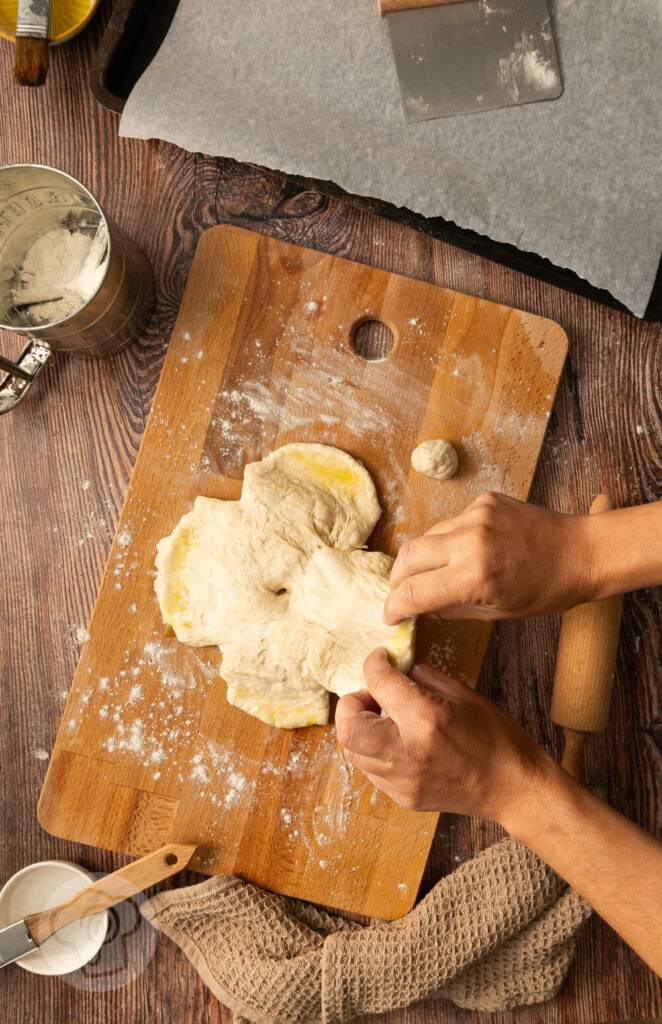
[(280, 582), (435, 458)]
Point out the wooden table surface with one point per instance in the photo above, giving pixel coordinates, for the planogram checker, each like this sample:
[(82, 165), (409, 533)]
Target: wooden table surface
[(67, 454)]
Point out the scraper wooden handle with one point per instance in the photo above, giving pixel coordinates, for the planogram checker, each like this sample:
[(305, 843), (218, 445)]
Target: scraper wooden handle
[(387, 6), (585, 668), (111, 889)]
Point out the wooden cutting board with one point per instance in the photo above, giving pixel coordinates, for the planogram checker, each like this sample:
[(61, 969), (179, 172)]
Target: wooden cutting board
[(149, 751)]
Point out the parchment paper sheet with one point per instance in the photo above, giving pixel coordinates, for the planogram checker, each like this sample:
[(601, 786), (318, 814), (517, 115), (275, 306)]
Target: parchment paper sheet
[(309, 87)]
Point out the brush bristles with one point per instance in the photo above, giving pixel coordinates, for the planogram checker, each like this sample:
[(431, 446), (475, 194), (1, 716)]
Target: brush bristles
[(31, 61)]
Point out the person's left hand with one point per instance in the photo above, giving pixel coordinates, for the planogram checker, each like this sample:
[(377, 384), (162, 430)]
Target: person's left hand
[(443, 747)]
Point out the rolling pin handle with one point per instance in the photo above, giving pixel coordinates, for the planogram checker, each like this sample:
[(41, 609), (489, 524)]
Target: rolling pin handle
[(573, 753)]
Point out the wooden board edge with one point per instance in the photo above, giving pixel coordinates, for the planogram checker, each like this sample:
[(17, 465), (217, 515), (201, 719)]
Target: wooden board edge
[(425, 856), (127, 797), (232, 229)]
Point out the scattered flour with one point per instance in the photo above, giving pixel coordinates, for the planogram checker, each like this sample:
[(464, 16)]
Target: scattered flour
[(237, 784), (135, 741), (200, 772)]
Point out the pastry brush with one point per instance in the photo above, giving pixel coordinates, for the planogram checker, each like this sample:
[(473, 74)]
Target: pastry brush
[(32, 31)]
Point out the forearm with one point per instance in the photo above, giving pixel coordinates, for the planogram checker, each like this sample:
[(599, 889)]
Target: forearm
[(610, 861), (625, 549)]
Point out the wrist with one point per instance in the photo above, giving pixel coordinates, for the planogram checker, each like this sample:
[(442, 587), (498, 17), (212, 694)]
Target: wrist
[(541, 788), (618, 551), (592, 556)]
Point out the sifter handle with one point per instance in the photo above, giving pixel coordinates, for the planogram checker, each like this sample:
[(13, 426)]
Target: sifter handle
[(585, 667)]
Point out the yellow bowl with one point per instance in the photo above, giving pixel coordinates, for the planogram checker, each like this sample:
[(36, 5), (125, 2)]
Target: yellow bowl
[(67, 18)]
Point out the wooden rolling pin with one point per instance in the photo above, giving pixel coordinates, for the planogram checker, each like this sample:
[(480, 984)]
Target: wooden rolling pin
[(585, 668)]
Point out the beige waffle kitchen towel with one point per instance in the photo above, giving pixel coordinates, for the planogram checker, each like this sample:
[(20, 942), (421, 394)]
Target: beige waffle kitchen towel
[(498, 932)]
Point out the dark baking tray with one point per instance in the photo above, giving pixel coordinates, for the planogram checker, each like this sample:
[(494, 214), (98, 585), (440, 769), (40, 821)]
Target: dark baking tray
[(133, 35)]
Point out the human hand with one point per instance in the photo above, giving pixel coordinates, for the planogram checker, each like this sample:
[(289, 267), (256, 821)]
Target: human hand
[(499, 559), (443, 747)]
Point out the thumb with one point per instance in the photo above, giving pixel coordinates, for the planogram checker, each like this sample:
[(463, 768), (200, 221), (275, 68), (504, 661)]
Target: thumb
[(431, 679), (392, 691), (362, 730)]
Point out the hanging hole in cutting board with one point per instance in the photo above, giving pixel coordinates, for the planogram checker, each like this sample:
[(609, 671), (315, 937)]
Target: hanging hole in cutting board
[(372, 340)]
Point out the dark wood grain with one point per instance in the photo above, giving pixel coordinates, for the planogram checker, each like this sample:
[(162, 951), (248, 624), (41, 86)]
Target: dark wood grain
[(83, 422)]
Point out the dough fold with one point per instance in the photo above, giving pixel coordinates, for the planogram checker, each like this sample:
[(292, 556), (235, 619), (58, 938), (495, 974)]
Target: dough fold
[(279, 581)]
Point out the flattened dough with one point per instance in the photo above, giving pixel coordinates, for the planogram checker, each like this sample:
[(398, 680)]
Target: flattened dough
[(279, 581)]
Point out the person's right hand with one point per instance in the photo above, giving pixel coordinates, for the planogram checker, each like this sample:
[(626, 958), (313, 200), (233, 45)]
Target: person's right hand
[(439, 745), (501, 558)]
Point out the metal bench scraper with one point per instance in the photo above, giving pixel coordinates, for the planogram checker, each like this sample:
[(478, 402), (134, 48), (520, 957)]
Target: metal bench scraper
[(462, 56)]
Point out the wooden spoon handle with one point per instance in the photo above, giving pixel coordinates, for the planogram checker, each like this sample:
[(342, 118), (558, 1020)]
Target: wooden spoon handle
[(585, 667), (111, 889), (387, 6)]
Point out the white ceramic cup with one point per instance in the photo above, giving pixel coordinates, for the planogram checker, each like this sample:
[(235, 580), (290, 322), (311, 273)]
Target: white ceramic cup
[(43, 886)]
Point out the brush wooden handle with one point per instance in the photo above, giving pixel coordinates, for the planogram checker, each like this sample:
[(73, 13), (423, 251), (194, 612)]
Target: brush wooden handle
[(30, 60), (111, 889), (387, 6), (585, 667)]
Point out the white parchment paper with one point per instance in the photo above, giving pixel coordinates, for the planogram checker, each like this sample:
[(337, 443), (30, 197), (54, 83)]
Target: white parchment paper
[(309, 88)]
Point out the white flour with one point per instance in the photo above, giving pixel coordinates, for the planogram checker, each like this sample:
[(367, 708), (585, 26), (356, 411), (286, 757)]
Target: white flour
[(60, 272)]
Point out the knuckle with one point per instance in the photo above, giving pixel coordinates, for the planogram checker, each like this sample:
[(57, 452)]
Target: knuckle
[(415, 796), (383, 676), (484, 555), (428, 721), (349, 756), (481, 539), (488, 500), (483, 588), (404, 559), (407, 800), (408, 593), (433, 724), (344, 732)]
